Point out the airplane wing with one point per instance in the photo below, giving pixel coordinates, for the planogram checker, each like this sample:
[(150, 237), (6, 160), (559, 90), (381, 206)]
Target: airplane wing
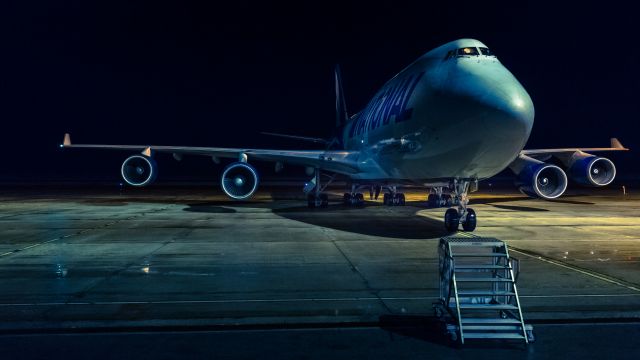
[(615, 146), (339, 161)]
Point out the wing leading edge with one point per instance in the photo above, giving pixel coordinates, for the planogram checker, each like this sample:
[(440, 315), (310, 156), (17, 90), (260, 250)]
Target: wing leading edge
[(615, 146), (339, 161)]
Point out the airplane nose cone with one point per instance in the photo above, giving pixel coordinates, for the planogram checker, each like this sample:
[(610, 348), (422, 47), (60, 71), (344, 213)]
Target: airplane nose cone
[(507, 104), (495, 100)]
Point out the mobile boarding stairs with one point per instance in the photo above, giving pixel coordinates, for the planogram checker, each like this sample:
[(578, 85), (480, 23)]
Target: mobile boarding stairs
[(478, 293)]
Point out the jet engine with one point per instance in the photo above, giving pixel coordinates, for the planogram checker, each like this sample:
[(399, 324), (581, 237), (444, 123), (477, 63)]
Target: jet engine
[(239, 180), (587, 169), (139, 170), (538, 179)]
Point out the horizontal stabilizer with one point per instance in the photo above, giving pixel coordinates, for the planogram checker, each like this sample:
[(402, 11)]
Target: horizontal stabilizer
[(296, 137)]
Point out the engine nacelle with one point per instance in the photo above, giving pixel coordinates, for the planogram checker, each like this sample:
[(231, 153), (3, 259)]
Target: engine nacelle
[(239, 180), (139, 170), (538, 179), (591, 170)]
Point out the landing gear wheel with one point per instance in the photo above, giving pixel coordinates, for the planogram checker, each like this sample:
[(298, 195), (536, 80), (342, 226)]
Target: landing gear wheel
[(346, 199), (447, 200), (432, 201), (451, 220), (359, 199), (324, 200), (396, 199), (311, 201), (469, 223)]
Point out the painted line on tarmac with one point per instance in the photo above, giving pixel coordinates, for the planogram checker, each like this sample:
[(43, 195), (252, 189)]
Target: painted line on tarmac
[(15, 251), (232, 301), (592, 274)]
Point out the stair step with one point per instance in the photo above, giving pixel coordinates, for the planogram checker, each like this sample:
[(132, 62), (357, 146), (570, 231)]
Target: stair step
[(480, 255), (483, 335), (496, 244), (487, 293), (483, 267), (492, 327), (488, 307), (495, 321), (482, 279)]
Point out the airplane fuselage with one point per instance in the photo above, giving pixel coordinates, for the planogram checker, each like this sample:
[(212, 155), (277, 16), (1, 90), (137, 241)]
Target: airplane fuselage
[(453, 113)]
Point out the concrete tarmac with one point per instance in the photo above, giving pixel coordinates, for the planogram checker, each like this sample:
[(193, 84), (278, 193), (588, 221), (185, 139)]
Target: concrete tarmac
[(106, 258)]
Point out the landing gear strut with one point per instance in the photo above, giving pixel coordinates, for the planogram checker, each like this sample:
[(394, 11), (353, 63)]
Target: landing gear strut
[(353, 199), (437, 198), (393, 197), (316, 198), (453, 217)]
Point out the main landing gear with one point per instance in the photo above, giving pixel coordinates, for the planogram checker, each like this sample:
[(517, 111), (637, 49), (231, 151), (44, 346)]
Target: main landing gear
[(453, 217), (316, 198), (393, 197), (353, 199), (390, 198), (437, 198)]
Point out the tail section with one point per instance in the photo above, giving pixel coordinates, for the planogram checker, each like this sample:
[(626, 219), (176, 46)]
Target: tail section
[(341, 106)]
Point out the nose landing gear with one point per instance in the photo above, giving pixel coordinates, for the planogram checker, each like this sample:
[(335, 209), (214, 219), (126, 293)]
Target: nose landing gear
[(462, 215)]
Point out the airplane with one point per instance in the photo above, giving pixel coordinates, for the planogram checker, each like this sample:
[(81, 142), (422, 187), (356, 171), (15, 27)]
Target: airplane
[(454, 116)]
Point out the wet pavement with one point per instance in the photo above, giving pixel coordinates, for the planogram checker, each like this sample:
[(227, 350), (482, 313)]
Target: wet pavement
[(102, 258)]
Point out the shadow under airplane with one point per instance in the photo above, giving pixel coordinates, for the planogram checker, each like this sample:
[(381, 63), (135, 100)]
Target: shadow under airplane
[(370, 219)]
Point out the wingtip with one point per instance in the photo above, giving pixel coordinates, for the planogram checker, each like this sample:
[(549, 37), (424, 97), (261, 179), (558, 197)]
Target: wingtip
[(616, 144), (67, 140)]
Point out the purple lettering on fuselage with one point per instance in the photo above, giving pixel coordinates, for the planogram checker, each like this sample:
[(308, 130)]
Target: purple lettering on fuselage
[(389, 103)]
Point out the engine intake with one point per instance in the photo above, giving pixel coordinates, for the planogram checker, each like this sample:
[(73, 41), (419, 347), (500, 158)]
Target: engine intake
[(139, 170), (543, 180), (239, 180), (592, 170)]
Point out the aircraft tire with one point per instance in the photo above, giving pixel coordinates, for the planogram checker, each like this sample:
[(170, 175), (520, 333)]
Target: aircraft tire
[(324, 200), (470, 221), (451, 220)]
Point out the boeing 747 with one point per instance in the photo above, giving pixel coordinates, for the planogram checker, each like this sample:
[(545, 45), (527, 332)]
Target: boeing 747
[(453, 117)]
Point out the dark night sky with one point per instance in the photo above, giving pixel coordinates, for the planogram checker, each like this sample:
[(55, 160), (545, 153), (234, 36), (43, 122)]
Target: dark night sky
[(216, 74)]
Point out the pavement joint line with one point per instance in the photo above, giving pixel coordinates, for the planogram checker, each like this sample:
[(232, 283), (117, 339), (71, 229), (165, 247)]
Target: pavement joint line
[(15, 251), (355, 269), (372, 298)]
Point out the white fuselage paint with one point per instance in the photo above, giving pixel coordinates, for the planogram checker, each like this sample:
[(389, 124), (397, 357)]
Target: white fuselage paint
[(465, 117)]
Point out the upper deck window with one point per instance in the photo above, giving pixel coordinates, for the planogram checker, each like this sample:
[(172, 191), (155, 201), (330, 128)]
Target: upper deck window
[(450, 54), (468, 51), (486, 51)]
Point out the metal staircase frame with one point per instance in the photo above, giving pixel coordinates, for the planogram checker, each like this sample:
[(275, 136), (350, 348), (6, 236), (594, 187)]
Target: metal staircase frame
[(469, 310)]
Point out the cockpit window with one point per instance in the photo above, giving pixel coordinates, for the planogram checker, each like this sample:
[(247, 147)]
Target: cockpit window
[(450, 54), (468, 51), (486, 51)]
